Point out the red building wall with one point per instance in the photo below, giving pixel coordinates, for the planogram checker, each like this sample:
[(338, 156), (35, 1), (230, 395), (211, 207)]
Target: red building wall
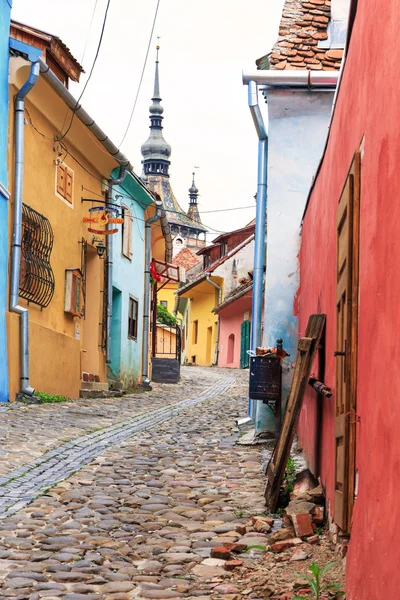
[(368, 107)]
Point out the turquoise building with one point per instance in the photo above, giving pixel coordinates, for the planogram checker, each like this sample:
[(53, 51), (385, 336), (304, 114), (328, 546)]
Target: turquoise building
[(128, 256), (5, 9)]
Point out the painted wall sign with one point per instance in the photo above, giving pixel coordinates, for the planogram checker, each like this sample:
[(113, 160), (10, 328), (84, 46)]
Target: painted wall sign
[(103, 216)]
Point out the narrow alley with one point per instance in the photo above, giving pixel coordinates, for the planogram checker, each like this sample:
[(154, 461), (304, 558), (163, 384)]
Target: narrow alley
[(139, 504)]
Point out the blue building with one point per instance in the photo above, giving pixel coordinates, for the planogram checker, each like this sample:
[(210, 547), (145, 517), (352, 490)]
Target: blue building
[(128, 259), (5, 9)]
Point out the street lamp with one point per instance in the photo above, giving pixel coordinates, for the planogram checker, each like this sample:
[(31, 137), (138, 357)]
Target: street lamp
[(100, 247)]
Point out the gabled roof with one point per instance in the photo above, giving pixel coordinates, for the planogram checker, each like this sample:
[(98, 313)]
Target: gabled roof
[(50, 44), (223, 236), (304, 24), (229, 254), (186, 259)]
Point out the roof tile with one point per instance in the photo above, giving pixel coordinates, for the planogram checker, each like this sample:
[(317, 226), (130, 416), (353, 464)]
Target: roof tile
[(303, 24)]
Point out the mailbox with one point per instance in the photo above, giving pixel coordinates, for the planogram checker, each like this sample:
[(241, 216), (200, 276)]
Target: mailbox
[(265, 379)]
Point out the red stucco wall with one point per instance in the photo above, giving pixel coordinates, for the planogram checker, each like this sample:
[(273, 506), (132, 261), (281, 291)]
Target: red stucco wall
[(368, 105)]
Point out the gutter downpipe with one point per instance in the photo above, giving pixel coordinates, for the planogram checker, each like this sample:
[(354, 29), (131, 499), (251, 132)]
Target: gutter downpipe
[(19, 109), (109, 198), (217, 287), (260, 229), (146, 308)]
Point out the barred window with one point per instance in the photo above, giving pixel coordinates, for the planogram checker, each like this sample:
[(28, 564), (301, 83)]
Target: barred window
[(36, 282)]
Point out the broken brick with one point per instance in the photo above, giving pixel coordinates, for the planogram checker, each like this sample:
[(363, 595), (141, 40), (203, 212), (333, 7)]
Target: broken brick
[(302, 524), (221, 552), (230, 565), (285, 544), (241, 529)]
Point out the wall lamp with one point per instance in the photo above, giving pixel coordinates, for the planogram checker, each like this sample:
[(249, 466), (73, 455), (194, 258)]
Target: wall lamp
[(100, 247)]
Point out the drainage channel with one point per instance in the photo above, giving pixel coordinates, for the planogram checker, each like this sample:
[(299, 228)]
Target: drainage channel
[(33, 479)]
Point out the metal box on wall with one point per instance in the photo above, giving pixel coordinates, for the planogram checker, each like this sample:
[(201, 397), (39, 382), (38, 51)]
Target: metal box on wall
[(265, 379)]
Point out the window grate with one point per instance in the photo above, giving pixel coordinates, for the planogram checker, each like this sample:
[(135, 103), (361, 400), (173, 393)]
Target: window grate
[(36, 282)]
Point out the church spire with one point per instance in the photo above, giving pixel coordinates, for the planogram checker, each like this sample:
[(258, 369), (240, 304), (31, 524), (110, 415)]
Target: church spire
[(193, 212), (156, 151)]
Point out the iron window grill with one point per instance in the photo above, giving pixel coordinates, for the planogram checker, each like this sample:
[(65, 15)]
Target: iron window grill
[(36, 282)]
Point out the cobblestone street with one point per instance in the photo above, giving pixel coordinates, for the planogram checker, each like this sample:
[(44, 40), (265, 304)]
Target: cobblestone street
[(135, 503), (139, 520)]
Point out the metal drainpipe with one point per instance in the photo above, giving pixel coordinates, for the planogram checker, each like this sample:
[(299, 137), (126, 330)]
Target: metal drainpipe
[(109, 198), (25, 387), (261, 222), (219, 302), (146, 308)]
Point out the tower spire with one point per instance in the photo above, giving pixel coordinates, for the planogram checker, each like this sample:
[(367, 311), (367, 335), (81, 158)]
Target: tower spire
[(156, 151), (193, 212)]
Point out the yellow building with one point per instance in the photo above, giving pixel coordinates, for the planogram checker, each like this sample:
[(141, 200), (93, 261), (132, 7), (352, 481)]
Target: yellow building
[(205, 293), (68, 162)]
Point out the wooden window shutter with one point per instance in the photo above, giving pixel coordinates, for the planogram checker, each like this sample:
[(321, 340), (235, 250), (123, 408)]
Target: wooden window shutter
[(69, 183), (127, 234), (61, 180)]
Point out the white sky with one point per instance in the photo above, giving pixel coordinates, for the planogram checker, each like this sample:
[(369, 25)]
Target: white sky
[(205, 45)]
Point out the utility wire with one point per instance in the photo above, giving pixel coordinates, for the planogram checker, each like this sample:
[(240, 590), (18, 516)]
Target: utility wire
[(90, 74), (90, 27), (141, 77), (142, 204)]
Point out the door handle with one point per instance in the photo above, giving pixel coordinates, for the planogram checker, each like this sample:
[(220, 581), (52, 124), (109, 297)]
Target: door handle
[(344, 354)]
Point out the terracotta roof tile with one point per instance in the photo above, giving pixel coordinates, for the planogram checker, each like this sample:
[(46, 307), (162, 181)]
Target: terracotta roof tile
[(186, 259), (303, 24)]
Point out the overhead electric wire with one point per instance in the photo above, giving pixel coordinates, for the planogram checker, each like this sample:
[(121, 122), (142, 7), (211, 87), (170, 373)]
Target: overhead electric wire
[(141, 77), (101, 180), (90, 74), (90, 27)]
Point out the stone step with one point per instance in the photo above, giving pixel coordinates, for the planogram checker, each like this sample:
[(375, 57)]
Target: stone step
[(94, 385)]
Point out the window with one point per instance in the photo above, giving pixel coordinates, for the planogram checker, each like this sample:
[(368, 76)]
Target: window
[(183, 341), (36, 281), (132, 318), (73, 292), (127, 233), (223, 249), (195, 331), (164, 303), (206, 260), (65, 182)]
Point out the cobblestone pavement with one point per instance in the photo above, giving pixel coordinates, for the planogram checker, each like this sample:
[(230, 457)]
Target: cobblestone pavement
[(22, 485), (141, 519), (29, 431)]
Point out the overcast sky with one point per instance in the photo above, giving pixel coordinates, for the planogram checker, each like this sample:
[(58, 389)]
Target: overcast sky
[(205, 45)]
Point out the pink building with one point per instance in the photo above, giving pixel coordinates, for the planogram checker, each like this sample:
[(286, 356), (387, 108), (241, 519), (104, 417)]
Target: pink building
[(234, 327)]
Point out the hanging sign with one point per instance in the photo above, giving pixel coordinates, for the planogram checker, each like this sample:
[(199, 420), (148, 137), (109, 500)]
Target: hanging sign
[(101, 216)]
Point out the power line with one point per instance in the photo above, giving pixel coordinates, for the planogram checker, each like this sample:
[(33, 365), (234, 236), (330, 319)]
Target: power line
[(90, 27), (90, 74), (144, 206), (141, 77)]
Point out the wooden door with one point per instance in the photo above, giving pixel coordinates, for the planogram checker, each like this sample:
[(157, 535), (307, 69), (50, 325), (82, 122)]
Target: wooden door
[(346, 345), (244, 345)]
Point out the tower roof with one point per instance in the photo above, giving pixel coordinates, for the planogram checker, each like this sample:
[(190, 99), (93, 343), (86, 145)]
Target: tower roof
[(156, 151), (193, 212)]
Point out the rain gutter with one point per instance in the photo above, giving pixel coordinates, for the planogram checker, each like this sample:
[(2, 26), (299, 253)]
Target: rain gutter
[(31, 54)]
